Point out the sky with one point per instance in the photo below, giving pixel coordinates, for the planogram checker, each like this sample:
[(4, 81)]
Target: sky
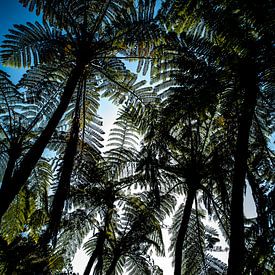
[(12, 12)]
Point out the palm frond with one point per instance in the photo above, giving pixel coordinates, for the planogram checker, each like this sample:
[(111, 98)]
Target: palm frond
[(31, 44), (195, 259)]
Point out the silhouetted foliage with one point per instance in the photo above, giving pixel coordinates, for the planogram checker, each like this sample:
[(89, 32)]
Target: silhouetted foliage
[(186, 142)]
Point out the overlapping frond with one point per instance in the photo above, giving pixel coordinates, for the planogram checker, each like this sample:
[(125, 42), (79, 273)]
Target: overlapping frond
[(195, 259), (19, 124), (31, 44), (132, 240), (141, 42), (29, 211), (78, 13), (188, 124)]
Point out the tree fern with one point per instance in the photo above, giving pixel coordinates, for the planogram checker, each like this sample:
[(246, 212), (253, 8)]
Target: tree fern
[(195, 258)]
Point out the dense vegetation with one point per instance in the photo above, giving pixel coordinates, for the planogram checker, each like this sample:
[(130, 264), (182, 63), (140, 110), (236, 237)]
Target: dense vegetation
[(185, 144)]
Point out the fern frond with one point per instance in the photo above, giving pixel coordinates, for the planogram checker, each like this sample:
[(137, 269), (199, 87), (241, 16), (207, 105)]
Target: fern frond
[(31, 44)]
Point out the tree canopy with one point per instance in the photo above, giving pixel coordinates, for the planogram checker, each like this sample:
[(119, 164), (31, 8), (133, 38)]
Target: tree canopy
[(193, 82)]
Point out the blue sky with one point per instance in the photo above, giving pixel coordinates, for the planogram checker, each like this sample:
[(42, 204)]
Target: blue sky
[(12, 12)]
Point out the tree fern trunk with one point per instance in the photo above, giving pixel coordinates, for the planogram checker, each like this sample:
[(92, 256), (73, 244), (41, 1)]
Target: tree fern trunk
[(183, 229), (248, 81), (91, 262), (13, 157), (63, 188), (29, 161), (111, 269), (98, 250)]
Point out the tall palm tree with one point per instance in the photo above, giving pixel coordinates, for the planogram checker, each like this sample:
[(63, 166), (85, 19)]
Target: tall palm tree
[(70, 153), (139, 230), (20, 123), (84, 35), (261, 161), (244, 34), (166, 152), (123, 159), (90, 136), (11, 129), (193, 134), (93, 192), (98, 193)]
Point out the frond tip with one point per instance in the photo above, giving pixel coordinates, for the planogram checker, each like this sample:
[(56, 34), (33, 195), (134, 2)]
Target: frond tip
[(31, 44)]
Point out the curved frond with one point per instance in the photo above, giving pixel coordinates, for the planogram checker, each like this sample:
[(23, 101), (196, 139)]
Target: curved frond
[(31, 44)]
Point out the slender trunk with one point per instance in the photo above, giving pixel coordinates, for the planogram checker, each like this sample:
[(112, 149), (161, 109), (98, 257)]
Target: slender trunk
[(96, 253), (13, 157), (111, 269), (63, 188), (29, 161), (191, 194), (248, 81), (264, 234), (91, 262), (200, 238)]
